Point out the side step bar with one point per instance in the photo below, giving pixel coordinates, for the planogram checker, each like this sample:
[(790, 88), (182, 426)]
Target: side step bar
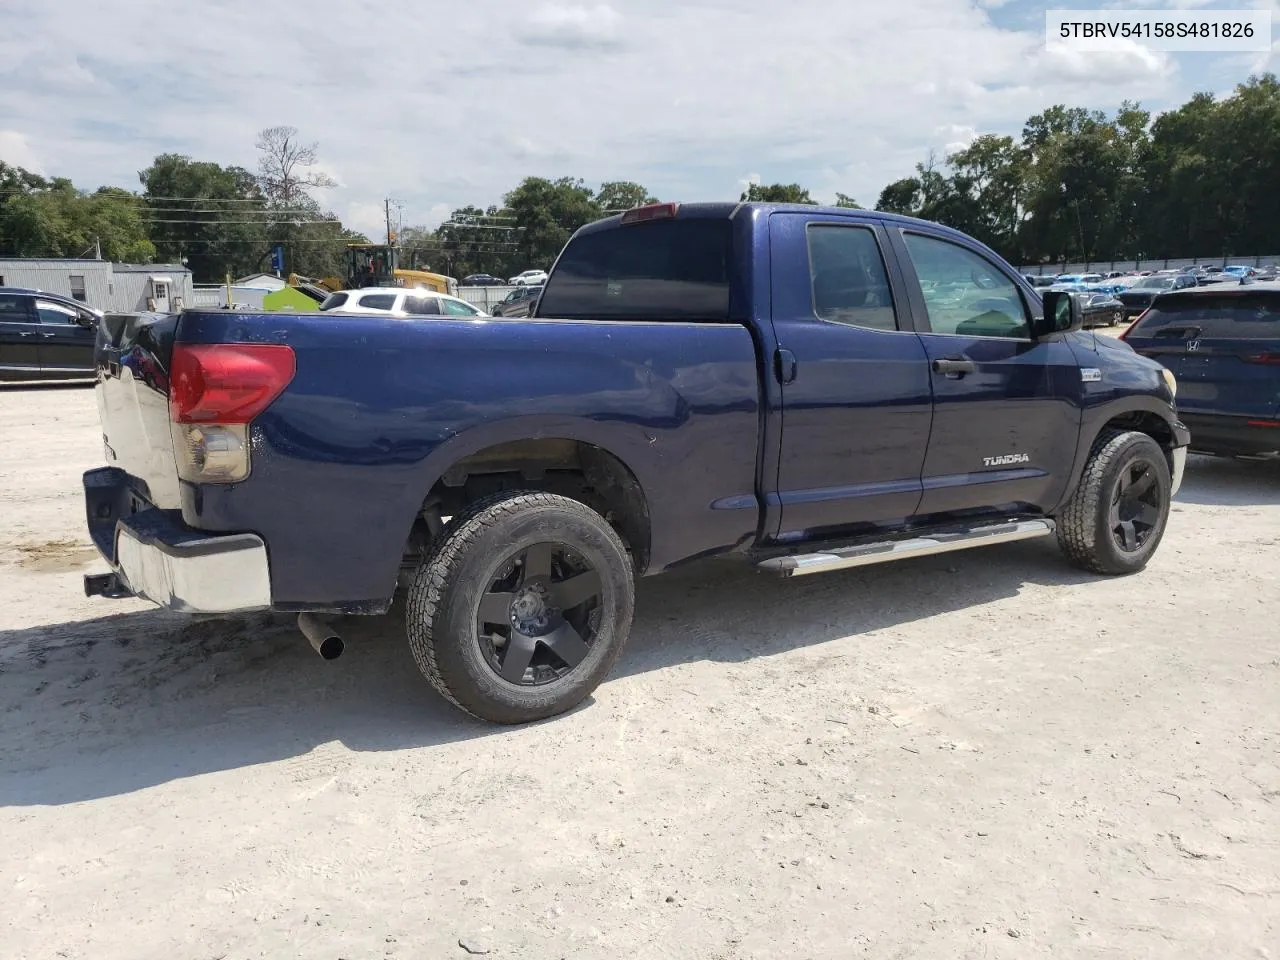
[(865, 554)]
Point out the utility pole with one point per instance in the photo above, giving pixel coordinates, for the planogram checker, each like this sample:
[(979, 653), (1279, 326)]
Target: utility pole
[(387, 205), (97, 248)]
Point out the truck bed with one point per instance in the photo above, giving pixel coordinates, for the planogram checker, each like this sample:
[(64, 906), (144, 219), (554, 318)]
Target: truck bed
[(380, 408)]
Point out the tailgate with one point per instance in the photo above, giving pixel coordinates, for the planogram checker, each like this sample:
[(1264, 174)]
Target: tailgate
[(131, 356)]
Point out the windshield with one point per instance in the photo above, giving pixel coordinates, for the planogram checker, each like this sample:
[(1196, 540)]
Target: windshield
[(1154, 283)]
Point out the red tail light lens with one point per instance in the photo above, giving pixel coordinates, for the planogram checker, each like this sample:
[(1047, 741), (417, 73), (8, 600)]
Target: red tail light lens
[(653, 211), (1265, 357), (226, 383), (1129, 329)]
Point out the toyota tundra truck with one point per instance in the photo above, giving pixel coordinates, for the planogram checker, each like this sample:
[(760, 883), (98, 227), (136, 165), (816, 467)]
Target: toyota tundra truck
[(805, 389)]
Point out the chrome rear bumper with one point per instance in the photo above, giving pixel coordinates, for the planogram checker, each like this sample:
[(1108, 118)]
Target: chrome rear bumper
[(157, 557)]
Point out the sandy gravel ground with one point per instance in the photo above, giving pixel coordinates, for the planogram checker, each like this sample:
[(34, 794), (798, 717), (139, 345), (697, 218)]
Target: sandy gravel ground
[(981, 755)]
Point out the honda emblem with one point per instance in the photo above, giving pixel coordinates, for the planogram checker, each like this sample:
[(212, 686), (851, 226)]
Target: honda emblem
[(1193, 346)]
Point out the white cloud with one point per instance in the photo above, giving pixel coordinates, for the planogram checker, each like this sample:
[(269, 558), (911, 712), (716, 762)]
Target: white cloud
[(16, 151), (1129, 63), (681, 95), (572, 25)]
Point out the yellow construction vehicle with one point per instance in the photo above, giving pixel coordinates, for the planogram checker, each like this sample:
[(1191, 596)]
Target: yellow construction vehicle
[(373, 265)]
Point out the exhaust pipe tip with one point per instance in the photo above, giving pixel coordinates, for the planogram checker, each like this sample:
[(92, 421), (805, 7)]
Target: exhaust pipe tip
[(322, 637)]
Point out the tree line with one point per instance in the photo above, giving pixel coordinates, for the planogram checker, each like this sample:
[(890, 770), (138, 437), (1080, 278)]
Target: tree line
[(1078, 184), (218, 219)]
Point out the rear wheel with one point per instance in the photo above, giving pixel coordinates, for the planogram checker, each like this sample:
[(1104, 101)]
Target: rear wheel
[(1116, 518), (522, 607)]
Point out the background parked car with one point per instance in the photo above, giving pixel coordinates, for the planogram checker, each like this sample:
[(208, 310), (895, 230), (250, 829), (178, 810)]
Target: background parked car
[(1040, 282), (1139, 296), (1100, 309), (1239, 271), (397, 300), (537, 277), (44, 336), (518, 302), (481, 280), (1222, 343)]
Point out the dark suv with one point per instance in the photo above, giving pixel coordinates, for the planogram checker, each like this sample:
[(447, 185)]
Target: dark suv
[(1222, 343), (44, 336)]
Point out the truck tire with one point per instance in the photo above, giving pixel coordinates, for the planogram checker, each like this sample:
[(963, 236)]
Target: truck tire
[(521, 607), (1116, 517)]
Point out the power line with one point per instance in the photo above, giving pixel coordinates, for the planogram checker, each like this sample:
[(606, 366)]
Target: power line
[(241, 223)]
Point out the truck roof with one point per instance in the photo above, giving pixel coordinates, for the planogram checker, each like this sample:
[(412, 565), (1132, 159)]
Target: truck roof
[(731, 210)]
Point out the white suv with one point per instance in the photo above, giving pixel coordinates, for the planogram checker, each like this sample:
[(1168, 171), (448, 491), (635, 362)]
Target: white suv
[(401, 302), (529, 277)]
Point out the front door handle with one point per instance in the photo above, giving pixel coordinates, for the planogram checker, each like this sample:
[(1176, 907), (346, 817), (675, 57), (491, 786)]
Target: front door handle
[(48, 336), (25, 333), (954, 367)]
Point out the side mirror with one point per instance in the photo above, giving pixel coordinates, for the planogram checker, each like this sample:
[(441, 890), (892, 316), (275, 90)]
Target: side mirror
[(87, 320), (1062, 314)]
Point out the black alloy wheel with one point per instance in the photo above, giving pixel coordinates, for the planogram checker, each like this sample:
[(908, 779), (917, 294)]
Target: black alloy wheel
[(1136, 506), (539, 617)]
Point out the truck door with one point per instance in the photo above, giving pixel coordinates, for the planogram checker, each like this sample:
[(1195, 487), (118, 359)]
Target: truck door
[(1006, 409), (855, 379)]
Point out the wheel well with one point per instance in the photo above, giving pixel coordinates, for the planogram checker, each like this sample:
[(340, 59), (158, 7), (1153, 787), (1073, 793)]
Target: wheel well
[(1152, 424), (570, 468)]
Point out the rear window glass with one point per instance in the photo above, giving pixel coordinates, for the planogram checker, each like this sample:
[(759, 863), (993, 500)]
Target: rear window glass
[(660, 270), (334, 302), (1240, 317)]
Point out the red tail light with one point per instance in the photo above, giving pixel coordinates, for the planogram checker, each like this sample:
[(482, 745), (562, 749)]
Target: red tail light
[(652, 211), (1264, 423), (226, 383), (1136, 320), (1264, 357)]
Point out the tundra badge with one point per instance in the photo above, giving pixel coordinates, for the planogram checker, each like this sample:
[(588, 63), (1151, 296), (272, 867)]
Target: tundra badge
[(1006, 459)]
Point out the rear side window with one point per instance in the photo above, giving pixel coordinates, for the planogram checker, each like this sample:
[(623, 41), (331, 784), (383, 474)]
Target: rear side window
[(334, 302), (1239, 317), (848, 276), (422, 306), (379, 301), (13, 309), (657, 270)]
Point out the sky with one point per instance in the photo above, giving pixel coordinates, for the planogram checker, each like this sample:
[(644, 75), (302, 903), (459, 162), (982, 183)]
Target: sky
[(439, 105)]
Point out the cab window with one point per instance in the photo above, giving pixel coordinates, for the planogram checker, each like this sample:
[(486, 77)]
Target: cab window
[(848, 277), (966, 294)]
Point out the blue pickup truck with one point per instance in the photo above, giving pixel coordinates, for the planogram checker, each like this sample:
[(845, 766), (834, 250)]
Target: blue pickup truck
[(805, 388)]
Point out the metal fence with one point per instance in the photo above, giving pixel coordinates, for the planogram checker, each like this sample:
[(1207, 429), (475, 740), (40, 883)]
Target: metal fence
[(1107, 266), (210, 295)]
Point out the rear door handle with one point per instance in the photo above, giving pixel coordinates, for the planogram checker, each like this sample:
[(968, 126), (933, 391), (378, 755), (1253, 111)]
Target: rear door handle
[(25, 333), (48, 336), (954, 367)]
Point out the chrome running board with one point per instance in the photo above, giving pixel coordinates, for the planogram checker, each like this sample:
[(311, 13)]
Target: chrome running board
[(884, 551)]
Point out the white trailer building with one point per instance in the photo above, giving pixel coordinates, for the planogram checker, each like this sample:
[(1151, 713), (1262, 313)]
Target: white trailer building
[(108, 286)]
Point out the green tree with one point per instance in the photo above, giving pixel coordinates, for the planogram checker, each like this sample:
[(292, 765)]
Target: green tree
[(211, 216), (57, 220), (618, 195), (844, 200), (546, 213), (777, 193), (901, 196)]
